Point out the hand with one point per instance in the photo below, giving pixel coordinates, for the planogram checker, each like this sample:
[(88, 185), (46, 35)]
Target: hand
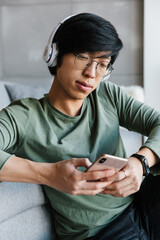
[(65, 177), (127, 181)]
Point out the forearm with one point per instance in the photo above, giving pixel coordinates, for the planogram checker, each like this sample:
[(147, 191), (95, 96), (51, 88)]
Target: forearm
[(21, 170), (152, 158), (62, 175)]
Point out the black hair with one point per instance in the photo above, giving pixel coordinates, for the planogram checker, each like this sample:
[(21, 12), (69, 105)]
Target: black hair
[(86, 32)]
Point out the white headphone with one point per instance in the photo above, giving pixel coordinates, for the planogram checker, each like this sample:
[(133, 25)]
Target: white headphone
[(51, 52)]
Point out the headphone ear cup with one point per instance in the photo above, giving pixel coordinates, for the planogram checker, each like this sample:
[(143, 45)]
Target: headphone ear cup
[(46, 53), (52, 62), (50, 49), (50, 55), (51, 52)]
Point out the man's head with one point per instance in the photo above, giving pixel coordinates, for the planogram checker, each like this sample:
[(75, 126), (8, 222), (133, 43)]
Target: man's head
[(82, 33)]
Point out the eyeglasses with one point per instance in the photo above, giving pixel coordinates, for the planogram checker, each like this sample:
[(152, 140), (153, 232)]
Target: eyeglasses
[(83, 61)]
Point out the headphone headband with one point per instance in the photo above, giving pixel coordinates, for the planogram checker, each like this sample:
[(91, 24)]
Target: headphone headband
[(51, 52)]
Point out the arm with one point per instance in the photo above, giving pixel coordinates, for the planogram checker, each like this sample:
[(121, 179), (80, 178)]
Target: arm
[(141, 118), (62, 176)]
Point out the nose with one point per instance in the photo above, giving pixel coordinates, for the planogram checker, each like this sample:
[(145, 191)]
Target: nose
[(90, 72)]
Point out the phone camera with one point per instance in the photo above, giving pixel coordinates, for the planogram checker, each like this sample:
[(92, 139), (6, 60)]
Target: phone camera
[(102, 160)]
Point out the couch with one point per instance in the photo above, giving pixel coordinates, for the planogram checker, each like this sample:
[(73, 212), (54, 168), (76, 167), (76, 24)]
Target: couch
[(25, 213)]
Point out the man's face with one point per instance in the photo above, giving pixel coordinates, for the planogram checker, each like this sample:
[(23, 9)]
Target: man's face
[(78, 83)]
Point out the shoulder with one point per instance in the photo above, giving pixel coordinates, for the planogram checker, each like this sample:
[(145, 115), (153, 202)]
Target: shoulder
[(22, 109), (110, 88), (110, 92), (25, 104), (21, 114)]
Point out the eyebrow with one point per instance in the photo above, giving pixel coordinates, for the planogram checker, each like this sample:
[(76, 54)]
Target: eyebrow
[(104, 56)]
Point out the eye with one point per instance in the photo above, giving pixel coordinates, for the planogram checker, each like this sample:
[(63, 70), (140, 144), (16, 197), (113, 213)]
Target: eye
[(83, 57), (103, 64)]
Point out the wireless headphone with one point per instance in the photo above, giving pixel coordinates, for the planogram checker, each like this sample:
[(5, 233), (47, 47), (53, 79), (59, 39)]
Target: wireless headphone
[(51, 52)]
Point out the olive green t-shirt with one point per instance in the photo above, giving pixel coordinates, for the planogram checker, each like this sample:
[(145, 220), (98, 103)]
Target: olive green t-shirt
[(35, 130)]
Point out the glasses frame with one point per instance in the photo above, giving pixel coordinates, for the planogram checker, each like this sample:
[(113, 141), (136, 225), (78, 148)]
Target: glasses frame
[(108, 70)]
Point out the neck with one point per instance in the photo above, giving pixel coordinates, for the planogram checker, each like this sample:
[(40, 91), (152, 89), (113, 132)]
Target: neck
[(60, 100)]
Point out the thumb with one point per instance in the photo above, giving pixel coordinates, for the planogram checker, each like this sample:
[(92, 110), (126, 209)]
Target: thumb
[(82, 162)]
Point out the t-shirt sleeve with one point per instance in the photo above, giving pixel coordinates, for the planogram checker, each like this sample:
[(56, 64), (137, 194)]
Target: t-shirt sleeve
[(11, 130), (135, 116)]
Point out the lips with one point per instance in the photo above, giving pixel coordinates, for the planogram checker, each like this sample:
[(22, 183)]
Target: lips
[(83, 86)]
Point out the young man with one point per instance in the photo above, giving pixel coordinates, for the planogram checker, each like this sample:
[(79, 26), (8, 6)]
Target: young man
[(46, 141)]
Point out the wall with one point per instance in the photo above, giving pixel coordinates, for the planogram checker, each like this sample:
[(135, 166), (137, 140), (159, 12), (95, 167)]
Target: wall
[(25, 26), (152, 52)]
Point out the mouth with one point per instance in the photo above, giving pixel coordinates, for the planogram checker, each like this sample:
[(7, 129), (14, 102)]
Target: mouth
[(84, 86)]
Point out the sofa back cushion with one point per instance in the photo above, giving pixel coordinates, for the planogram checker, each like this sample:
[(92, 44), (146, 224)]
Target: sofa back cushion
[(4, 97), (17, 91)]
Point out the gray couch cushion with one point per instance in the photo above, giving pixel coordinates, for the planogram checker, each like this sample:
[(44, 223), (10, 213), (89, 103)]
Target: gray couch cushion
[(25, 213), (33, 224), (18, 197), (4, 98), (18, 91)]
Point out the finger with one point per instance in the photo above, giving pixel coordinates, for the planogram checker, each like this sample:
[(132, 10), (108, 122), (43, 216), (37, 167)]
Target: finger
[(120, 184), (88, 186), (96, 175), (120, 188), (95, 185), (86, 192), (118, 194), (118, 176), (125, 173)]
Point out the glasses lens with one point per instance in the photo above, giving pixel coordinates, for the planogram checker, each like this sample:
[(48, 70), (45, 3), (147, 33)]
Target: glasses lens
[(107, 71), (82, 61), (102, 68)]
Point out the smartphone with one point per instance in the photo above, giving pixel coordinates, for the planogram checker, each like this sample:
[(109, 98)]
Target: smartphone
[(106, 161)]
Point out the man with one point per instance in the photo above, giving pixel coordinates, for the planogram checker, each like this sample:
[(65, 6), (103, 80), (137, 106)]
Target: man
[(48, 141)]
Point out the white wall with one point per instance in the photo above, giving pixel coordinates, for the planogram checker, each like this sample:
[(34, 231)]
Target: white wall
[(152, 52), (25, 26)]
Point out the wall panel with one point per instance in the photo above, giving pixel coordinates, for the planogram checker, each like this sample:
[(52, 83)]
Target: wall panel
[(152, 52), (25, 32), (26, 25)]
